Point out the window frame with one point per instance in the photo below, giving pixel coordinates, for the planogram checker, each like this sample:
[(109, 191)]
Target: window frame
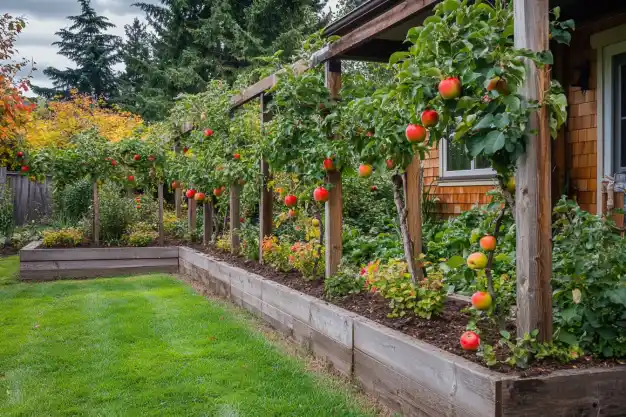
[(468, 174)]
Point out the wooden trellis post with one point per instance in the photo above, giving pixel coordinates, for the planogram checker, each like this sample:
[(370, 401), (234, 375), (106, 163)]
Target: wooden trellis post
[(161, 229), (333, 205), (178, 201), (533, 191), (413, 202), (235, 213), (191, 214), (265, 205)]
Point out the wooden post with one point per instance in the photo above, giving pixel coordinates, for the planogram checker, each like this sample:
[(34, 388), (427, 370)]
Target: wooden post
[(265, 205), (533, 191), (333, 205), (235, 213), (618, 199), (96, 214), (178, 202), (207, 224), (191, 215), (161, 229), (413, 202)]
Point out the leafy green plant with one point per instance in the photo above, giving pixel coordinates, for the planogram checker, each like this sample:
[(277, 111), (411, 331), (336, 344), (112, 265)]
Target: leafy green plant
[(67, 238), (345, 282), (276, 253), (359, 248), (249, 241), (141, 237), (223, 242), (173, 226), (72, 201), (117, 213), (392, 281), (308, 259)]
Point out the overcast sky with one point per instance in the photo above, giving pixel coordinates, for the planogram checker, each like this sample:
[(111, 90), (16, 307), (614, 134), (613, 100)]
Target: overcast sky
[(45, 17)]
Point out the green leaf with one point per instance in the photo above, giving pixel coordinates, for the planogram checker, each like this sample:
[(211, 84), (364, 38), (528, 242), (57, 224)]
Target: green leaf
[(450, 5), (505, 334), (495, 141), (431, 20), (512, 102), (455, 262), (567, 337), (397, 56), (485, 122), (433, 72), (545, 57)]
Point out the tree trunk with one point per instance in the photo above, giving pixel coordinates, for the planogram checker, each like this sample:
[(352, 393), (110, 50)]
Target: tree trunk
[(398, 192)]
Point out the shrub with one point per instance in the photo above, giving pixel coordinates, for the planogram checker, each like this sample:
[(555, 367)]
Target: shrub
[(359, 248), (346, 281), (67, 238), (276, 253), (147, 209), (73, 201), (117, 214), (141, 237), (6, 211), (223, 242), (250, 241), (308, 259), (173, 226), (392, 281)]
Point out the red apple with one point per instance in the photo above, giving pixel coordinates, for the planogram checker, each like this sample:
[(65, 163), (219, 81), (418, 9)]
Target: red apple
[(113, 162), (236, 156), (218, 191), (470, 341), (488, 243), (199, 196), (499, 85), (137, 157), (389, 163), (320, 194), (430, 118), (185, 149), (190, 193), (328, 164), (241, 220), (20, 154), (369, 134), (208, 132), (151, 158), (365, 170), (291, 200), (291, 213), (481, 300), (477, 260), (415, 133), (131, 178), (450, 88), (373, 188), (175, 185), (25, 168)]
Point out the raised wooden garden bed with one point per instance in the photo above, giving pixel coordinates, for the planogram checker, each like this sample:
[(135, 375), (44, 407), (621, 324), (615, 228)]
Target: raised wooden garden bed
[(409, 376), (49, 264)]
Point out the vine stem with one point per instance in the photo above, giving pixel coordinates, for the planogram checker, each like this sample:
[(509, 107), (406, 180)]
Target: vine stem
[(398, 192), (496, 229)]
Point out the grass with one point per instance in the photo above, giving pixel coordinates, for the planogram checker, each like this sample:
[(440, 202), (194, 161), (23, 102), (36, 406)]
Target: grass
[(146, 346)]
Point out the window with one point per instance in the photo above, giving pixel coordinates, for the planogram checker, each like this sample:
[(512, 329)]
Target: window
[(456, 164), (619, 111)]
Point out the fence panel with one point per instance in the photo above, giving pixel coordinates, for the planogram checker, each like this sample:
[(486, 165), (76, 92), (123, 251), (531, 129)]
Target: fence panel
[(31, 200)]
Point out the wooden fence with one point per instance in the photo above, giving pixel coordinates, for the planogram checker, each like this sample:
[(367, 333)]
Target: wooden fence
[(31, 200)]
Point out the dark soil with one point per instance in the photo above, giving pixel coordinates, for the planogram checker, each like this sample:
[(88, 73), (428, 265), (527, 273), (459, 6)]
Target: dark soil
[(443, 331), (8, 251)]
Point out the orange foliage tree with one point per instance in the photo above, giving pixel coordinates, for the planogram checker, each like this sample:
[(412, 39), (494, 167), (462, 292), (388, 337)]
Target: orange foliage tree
[(58, 121), (14, 109)]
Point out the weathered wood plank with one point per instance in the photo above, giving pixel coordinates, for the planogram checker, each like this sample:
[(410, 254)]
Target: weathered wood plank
[(266, 216), (191, 215), (581, 393), (466, 385), (235, 214), (31, 254), (96, 264), (371, 29), (178, 198), (334, 219), (161, 228), (533, 207), (339, 355), (413, 203), (51, 275)]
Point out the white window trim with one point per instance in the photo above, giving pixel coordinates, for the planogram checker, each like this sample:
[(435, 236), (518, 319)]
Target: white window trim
[(444, 174), (607, 44)]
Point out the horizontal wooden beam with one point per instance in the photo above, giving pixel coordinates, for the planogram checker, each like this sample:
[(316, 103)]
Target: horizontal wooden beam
[(371, 29), (264, 84)]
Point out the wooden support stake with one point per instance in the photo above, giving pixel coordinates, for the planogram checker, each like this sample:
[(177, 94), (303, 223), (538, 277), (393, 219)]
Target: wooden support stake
[(413, 202), (334, 204), (96, 214), (207, 224), (235, 213), (191, 215), (265, 205), (161, 229), (618, 203), (178, 202), (533, 215)]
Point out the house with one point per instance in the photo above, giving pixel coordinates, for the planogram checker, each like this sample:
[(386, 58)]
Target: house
[(593, 143)]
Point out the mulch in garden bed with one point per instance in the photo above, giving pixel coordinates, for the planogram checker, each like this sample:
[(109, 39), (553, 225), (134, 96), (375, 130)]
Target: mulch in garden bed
[(443, 331)]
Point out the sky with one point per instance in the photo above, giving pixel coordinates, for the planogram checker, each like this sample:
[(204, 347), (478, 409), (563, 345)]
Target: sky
[(45, 17)]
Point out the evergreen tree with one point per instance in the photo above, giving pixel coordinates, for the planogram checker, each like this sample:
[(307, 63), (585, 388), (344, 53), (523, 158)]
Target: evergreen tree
[(94, 52), (199, 40), (136, 55)]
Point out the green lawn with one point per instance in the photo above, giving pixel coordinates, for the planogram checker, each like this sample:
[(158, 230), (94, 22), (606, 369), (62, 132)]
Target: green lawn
[(143, 346)]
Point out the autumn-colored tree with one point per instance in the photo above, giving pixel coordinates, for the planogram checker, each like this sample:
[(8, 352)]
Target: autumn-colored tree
[(14, 109), (55, 124)]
